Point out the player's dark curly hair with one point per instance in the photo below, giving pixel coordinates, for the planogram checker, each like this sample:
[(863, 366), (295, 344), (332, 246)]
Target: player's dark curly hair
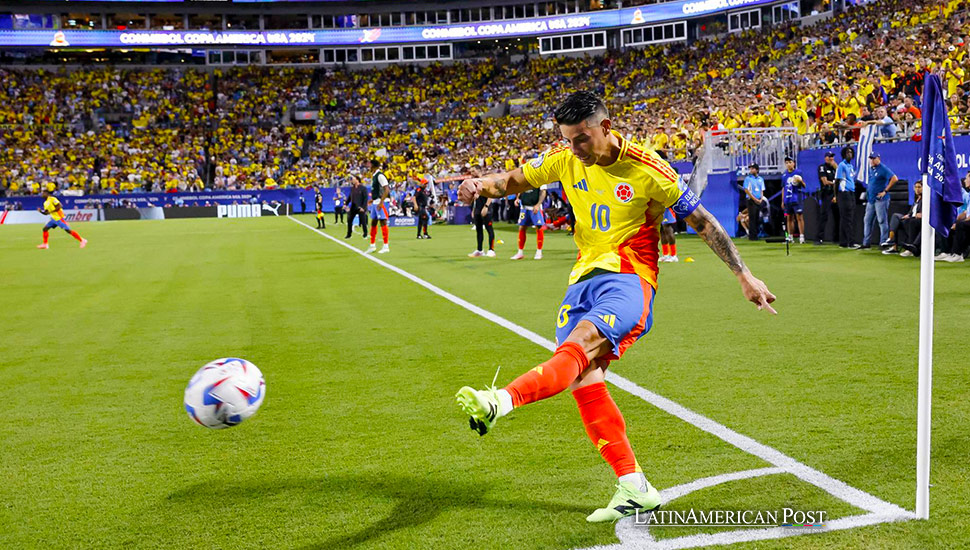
[(580, 106)]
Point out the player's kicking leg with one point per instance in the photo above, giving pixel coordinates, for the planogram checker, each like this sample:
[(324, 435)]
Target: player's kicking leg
[(602, 418), (599, 319)]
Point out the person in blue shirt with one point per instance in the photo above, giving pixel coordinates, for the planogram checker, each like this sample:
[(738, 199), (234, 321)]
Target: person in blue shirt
[(754, 188), (881, 181), (338, 205), (845, 198), (887, 127), (793, 198)]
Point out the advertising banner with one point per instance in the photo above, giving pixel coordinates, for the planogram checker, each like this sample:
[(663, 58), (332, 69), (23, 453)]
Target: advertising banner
[(32, 216), (206, 198), (403, 221), (560, 24)]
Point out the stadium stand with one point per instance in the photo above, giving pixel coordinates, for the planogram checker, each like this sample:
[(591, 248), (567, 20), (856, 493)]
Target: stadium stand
[(111, 130)]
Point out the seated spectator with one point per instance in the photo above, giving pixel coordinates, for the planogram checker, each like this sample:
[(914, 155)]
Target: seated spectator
[(955, 246), (904, 229)]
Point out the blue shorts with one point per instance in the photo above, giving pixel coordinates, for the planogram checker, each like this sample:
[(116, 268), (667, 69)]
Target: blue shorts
[(793, 207), (669, 217), (57, 223), (619, 304), (377, 211), (527, 217)]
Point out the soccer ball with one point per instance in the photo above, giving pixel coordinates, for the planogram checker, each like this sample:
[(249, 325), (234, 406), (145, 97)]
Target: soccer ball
[(224, 393)]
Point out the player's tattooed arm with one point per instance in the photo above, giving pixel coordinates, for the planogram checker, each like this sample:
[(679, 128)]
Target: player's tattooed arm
[(714, 235), (493, 186)]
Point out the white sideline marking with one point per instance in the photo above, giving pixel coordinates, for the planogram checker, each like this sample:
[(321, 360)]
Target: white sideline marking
[(880, 510)]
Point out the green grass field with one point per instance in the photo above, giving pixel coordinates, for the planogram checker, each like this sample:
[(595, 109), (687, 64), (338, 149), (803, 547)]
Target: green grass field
[(359, 443)]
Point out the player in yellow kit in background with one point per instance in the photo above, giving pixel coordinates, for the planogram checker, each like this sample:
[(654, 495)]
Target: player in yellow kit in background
[(52, 207), (619, 192)]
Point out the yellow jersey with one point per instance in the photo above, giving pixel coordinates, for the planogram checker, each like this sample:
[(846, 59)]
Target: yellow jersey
[(52, 206), (618, 208)]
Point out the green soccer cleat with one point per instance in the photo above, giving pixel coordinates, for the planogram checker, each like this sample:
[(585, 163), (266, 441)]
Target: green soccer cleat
[(480, 406), (627, 501)]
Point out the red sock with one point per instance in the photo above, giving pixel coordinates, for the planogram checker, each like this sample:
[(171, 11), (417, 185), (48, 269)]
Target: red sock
[(521, 238), (673, 250), (373, 234), (76, 236), (46, 236), (540, 235), (551, 377), (666, 249), (605, 427), (384, 233)]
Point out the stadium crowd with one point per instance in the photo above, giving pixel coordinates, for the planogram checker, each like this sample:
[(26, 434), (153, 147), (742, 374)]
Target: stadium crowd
[(116, 131)]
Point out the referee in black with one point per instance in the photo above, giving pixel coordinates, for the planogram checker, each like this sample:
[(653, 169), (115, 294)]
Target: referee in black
[(357, 207), (420, 199), (826, 195)]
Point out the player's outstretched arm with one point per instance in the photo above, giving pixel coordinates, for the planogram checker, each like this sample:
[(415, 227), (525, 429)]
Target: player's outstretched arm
[(493, 186), (714, 235)]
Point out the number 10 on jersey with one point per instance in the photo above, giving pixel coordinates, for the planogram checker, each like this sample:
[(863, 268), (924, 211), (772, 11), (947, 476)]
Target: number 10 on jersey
[(600, 215)]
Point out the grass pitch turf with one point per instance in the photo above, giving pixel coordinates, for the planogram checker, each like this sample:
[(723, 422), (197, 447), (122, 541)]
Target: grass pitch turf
[(359, 443)]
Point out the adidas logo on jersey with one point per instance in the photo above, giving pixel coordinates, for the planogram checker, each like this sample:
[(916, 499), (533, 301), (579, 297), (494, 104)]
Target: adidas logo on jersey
[(581, 185)]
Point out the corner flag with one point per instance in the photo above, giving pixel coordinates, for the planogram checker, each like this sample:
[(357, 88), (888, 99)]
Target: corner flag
[(941, 191), (938, 159)]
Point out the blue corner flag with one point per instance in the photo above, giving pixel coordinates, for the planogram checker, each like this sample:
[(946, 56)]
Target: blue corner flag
[(938, 159)]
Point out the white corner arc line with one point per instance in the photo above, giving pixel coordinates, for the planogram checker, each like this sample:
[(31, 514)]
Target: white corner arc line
[(678, 491), (839, 489), (746, 535), (636, 535), (834, 487)]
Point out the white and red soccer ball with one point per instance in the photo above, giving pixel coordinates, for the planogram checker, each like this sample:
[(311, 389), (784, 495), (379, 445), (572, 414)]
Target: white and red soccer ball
[(224, 392)]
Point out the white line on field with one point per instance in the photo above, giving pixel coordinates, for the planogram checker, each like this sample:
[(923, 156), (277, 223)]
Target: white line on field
[(637, 537), (880, 510), (671, 493)]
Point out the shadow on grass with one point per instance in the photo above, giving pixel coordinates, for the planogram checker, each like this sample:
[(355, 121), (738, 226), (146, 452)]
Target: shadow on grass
[(419, 500)]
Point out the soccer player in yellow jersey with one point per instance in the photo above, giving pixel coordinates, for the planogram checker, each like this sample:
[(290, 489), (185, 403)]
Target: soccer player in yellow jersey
[(619, 192), (52, 206)]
